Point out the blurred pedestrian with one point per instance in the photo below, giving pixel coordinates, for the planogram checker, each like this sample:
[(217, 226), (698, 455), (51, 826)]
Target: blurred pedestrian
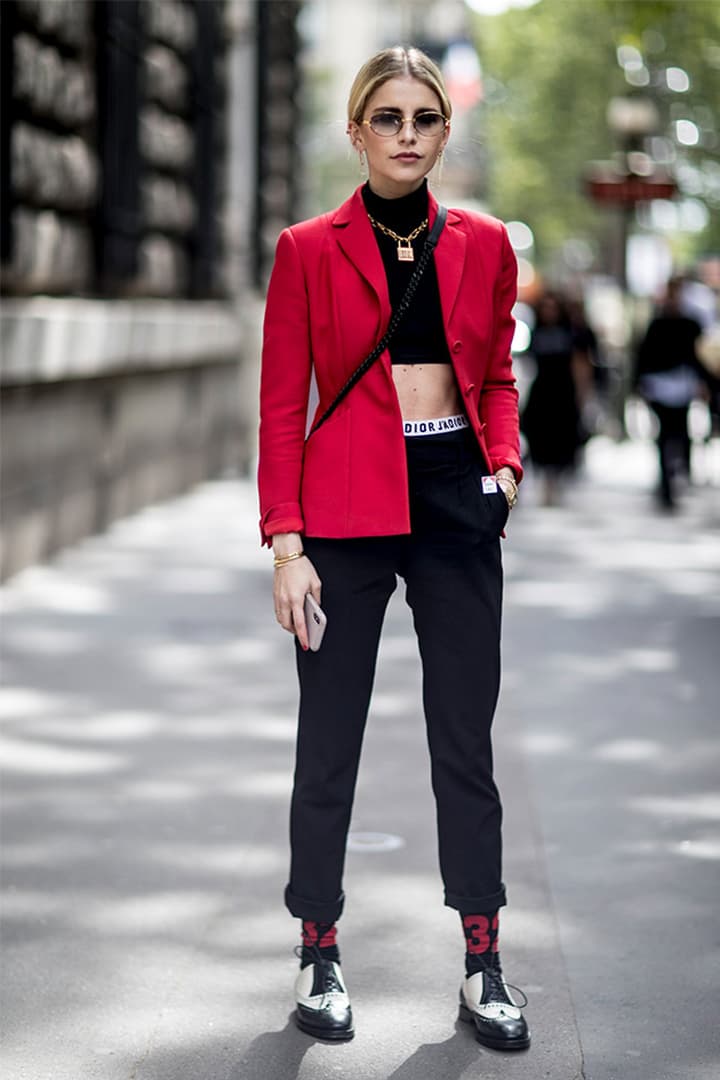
[(412, 474), (589, 369), (552, 415), (669, 376), (700, 302)]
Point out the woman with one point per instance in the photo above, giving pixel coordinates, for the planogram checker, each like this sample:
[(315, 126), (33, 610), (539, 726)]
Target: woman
[(412, 475), (670, 376), (551, 418)]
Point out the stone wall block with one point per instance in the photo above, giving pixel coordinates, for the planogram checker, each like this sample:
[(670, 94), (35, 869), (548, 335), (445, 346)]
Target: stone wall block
[(78, 175), (166, 79), (55, 441), (167, 204), (171, 22), (164, 269), (166, 141), (280, 158), (85, 453), (281, 118), (70, 21), (75, 104), (52, 169), (275, 194), (38, 71), (281, 79), (50, 253), (49, 85), (49, 339)]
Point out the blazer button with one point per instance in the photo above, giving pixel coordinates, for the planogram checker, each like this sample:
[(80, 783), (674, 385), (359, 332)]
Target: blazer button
[(457, 346)]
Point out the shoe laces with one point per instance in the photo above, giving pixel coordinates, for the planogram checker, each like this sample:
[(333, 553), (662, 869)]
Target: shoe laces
[(497, 989), (330, 983), (313, 950)]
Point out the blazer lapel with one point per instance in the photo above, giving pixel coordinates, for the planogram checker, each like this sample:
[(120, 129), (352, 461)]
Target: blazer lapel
[(449, 258), (356, 238)]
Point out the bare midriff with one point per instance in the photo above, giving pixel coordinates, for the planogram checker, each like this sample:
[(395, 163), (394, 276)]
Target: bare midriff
[(426, 391)]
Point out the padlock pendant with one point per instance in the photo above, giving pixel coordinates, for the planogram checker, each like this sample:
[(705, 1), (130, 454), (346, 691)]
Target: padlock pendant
[(405, 252)]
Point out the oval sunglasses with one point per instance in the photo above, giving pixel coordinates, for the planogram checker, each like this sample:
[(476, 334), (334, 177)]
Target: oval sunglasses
[(386, 124)]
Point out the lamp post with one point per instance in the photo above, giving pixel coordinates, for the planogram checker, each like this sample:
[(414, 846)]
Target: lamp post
[(631, 176), (631, 119)]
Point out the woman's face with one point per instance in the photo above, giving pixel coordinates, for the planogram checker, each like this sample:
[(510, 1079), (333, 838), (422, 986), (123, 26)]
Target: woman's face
[(397, 164)]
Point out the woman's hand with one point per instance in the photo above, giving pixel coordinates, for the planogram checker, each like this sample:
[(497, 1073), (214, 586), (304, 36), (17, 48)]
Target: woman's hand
[(508, 485), (291, 584)]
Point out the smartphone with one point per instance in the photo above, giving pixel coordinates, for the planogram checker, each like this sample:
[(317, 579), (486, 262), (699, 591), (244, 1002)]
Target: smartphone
[(316, 621)]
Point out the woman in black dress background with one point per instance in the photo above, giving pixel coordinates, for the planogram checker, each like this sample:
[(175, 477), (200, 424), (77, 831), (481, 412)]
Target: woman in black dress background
[(551, 419)]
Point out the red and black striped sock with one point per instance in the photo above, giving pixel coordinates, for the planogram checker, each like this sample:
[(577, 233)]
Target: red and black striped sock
[(481, 940), (318, 938)]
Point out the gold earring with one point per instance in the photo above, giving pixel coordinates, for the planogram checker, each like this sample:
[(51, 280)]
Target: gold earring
[(363, 164)]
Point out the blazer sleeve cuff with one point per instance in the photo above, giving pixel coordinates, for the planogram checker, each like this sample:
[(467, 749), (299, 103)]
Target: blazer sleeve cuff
[(506, 455), (283, 518)]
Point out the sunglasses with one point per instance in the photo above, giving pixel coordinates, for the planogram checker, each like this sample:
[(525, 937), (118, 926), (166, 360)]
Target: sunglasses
[(386, 124)]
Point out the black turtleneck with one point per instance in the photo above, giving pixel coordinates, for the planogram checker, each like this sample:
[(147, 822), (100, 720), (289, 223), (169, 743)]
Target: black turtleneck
[(420, 338)]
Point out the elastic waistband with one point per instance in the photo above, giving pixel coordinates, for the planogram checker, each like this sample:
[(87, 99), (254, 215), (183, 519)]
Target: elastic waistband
[(440, 426)]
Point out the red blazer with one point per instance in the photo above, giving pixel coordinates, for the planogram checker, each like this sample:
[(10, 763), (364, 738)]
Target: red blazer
[(327, 306)]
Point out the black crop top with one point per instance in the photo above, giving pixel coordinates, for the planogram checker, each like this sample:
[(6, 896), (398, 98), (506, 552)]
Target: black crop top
[(420, 338)]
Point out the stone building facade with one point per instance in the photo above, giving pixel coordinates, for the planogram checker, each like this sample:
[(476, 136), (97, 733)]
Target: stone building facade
[(148, 163)]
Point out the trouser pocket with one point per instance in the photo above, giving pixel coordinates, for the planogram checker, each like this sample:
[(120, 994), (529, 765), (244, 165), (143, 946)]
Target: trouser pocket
[(452, 492), (490, 498)]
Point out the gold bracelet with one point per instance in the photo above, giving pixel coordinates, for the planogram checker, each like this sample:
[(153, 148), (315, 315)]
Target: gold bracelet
[(504, 478), (282, 560), (513, 496)]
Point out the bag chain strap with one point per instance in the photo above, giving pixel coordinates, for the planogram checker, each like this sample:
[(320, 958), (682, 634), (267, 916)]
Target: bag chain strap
[(394, 322)]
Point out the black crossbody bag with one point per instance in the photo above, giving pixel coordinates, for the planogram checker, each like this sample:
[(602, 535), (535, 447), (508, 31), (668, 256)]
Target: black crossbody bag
[(397, 316)]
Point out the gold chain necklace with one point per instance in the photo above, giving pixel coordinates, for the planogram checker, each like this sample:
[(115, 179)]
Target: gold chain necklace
[(405, 252)]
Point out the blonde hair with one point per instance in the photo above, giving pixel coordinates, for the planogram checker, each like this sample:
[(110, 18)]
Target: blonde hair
[(391, 64)]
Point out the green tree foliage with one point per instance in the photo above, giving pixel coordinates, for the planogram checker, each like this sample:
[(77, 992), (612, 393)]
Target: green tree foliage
[(550, 71)]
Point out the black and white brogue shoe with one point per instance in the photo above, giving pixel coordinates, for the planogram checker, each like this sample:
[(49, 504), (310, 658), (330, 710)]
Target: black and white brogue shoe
[(485, 1001), (323, 1006)]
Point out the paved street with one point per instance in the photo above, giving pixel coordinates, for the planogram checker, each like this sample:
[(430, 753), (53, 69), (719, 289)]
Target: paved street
[(148, 754)]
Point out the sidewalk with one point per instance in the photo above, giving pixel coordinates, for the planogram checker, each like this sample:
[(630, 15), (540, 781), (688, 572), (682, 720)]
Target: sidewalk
[(613, 637), (148, 761)]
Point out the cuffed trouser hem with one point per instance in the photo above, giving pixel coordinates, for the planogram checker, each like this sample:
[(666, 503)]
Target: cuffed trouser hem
[(327, 912), (473, 905)]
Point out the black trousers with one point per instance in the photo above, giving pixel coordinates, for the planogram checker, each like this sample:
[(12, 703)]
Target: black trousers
[(673, 443), (452, 569)]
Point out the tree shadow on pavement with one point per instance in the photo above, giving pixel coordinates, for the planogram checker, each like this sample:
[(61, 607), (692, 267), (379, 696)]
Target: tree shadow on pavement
[(278, 1055), (274, 1055), (449, 1059)]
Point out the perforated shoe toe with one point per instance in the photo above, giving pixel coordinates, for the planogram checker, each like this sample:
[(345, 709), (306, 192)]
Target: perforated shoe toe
[(486, 1002), (322, 1003)]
